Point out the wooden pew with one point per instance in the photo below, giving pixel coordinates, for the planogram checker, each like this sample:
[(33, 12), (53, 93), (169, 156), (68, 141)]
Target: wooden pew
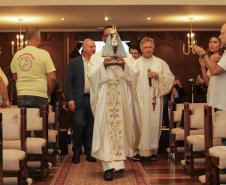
[(215, 156)]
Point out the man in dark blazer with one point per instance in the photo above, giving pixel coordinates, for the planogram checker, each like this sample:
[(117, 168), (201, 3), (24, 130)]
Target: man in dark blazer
[(78, 99)]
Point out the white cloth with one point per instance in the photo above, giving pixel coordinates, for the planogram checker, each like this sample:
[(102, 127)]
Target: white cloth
[(210, 87), (114, 110), (218, 90), (151, 119), (116, 165)]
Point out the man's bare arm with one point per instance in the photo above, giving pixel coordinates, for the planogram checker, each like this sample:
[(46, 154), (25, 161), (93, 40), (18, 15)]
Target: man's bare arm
[(214, 68), (51, 81)]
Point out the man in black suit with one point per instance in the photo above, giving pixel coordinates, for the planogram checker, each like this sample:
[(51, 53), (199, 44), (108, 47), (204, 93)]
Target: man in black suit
[(78, 99)]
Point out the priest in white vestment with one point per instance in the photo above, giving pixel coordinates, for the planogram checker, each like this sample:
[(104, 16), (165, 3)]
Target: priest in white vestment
[(155, 80), (112, 100)]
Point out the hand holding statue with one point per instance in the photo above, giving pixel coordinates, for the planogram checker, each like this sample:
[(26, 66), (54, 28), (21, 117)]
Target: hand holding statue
[(121, 62), (108, 62), (113, 62), (152, 74)]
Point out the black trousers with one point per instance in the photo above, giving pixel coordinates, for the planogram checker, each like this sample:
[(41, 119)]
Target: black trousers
[(83, 127)]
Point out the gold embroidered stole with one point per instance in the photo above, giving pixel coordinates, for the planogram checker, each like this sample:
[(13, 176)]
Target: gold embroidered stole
[(114, 117)]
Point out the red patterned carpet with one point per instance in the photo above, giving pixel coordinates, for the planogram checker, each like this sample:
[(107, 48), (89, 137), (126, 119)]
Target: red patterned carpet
[(86, 173)]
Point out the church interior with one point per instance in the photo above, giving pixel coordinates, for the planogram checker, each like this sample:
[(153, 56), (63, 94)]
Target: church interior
[(186, 153)]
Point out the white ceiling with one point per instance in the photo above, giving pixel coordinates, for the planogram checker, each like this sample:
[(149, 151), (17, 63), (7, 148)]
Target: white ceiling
[(108, 2), (79, 16)]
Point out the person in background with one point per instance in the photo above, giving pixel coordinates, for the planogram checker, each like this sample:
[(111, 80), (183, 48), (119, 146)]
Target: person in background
[(177, 92), (176, 95), (77, 95), (135, 51), (214, 52), (34, 72), (218, 70), (75, 52), (154, 81), (199, 90), (216, 64)]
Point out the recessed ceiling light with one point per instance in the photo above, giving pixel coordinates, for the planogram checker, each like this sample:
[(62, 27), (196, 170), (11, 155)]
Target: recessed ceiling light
[(62, 18), (20, 19), (148, 18), (193, 18), (106, 18), (24, 19)]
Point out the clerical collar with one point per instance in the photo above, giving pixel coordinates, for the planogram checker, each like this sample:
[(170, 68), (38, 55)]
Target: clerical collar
[(147, 59)]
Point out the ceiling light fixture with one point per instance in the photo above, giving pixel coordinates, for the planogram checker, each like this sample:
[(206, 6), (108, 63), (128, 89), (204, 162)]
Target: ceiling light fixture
[(62, 18), (148, 18), (20, 40), (106, 18), (190, 40)]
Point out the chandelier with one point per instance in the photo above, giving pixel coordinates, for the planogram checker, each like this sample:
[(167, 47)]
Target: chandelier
[(189, 47), (20, 42)]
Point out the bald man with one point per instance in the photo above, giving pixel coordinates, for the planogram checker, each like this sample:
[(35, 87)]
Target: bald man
[(218, 70), (77, 94)]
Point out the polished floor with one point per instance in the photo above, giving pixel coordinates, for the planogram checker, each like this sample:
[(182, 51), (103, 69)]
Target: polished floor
[(164, 172), (160, 172)]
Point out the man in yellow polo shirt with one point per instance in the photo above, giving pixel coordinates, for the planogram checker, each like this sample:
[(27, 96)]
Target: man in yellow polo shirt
[(34, 72)]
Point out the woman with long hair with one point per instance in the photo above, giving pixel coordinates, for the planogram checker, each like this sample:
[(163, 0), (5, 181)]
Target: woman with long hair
[(214, 52)]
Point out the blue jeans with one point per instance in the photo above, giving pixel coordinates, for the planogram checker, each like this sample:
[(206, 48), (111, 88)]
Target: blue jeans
[(31, 101)]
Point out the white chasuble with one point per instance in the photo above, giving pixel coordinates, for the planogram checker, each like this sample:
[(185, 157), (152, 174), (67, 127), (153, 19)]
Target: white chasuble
[(151, 101), (112, 102)]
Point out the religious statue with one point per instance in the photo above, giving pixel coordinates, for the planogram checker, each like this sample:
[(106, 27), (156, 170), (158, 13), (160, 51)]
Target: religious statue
[(113, 50)]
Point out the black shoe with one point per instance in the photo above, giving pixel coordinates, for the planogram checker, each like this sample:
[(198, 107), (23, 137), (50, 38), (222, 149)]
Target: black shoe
[(136, 157), (108, 175), (75, 159), (149, 159), (153, 157), (90, 158), (144, 159)]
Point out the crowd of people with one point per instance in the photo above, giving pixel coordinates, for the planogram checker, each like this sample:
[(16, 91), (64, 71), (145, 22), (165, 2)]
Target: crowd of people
[(126, 98), (116, 98)]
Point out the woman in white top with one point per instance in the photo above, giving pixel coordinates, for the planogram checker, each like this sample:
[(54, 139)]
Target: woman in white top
[(214, 52)]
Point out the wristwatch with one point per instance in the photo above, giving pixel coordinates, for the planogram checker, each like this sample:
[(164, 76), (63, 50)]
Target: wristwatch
[(202, 56)]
